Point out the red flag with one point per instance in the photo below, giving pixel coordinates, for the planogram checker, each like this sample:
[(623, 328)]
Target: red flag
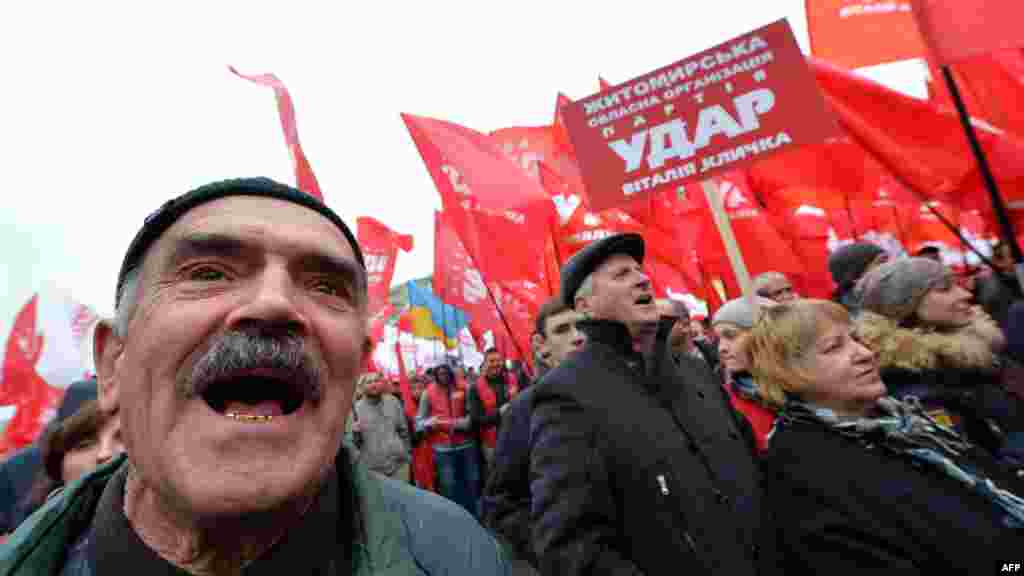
[(920, 142), (379, 320), (763, 247), (990, 85), (561, 133), (458, 282), (487, 198), (536, 151), (408, 401), (858, 33), (23, 387), (958, 29), (380, 247), (305, 180)]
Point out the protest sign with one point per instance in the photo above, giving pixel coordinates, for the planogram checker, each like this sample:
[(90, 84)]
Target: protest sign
[(712, 112)]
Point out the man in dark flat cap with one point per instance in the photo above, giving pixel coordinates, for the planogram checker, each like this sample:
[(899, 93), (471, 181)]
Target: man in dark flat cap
[(241, 327), (638, 466)]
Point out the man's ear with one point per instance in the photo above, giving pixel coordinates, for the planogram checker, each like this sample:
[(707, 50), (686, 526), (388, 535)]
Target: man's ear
[(582, 305), (107, 351)]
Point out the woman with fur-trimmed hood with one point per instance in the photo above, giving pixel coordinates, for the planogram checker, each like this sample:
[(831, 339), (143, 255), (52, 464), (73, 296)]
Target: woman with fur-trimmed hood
[(934, 345)]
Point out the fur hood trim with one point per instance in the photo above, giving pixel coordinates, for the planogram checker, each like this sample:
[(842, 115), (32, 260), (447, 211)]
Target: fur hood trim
[(919, 350)]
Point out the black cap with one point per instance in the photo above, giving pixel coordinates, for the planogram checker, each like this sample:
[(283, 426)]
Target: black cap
[(848, 263), (158, 222), (77, 394), (576, 270)]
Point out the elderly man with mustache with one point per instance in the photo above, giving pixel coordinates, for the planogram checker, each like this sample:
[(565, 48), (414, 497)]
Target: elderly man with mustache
[(241, 328)]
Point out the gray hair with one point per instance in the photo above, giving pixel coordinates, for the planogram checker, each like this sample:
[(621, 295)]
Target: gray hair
[(127, 300), (766, 278), (586, 288)]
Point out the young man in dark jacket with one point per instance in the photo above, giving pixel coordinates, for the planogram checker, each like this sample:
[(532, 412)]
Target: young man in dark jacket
[(637, 465), (505, 505)]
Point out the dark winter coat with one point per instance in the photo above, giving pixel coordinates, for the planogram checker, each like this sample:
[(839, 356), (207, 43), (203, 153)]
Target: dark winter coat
[(640, 471), (505, 505), (842, 506), (397, 530), (996, 292)]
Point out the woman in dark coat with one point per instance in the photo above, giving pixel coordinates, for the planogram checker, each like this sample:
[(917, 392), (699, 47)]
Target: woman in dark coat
[(934, 345), (858, 479)]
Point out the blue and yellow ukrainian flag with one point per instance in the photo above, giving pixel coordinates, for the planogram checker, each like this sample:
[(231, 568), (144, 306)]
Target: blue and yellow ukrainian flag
[(433, 319)]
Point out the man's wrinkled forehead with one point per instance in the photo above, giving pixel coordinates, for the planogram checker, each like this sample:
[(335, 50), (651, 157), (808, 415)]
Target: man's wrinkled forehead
[(237, 225)]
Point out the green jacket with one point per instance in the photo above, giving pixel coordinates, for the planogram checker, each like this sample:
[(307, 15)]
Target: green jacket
[(407, 531)]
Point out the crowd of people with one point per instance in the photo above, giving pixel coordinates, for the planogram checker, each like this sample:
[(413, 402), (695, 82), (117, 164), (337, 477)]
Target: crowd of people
[(232, 427)]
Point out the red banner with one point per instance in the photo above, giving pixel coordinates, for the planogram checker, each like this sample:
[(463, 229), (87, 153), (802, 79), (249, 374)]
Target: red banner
[(707, 114), (857, 33), (380, 247), (958, 29), (914, 139), (991, 86), (23, 387), (501, 215), (305, 180), (458, 282)]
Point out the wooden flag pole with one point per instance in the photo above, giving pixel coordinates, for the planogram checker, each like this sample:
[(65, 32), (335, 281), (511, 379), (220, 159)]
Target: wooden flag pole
[(732, 249)]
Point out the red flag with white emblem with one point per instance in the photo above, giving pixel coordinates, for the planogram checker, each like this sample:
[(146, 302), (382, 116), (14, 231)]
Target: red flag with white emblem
[(46, 351), (380, 246), (502, 216)]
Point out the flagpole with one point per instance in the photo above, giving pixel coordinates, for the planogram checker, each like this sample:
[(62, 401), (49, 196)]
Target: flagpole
[(501, 315), (732, 249), (998, 205)]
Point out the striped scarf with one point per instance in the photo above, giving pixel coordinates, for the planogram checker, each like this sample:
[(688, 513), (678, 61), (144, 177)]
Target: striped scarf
[(904, 428)]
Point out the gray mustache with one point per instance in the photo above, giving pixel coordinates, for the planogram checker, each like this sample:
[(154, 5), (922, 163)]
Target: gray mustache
[(237, 352)]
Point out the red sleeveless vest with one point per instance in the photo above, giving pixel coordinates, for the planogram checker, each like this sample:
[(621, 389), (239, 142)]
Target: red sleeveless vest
[(440, 408), (489, 398)]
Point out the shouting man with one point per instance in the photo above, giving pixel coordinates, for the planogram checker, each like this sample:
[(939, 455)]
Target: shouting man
[(241, 327), (637, 464)]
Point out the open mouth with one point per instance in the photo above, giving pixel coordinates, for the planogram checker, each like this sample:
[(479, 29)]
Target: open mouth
[(645, 300), (254, 397), (866, 373)]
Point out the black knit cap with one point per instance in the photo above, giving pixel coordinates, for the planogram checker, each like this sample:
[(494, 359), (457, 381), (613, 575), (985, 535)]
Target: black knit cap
[(848, 263), (576, 270), (158, 222)]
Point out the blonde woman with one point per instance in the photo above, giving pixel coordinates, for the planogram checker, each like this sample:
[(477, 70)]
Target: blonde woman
[(855, 478)]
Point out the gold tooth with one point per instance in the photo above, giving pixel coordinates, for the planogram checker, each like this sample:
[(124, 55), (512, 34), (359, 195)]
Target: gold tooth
[(249, 417)]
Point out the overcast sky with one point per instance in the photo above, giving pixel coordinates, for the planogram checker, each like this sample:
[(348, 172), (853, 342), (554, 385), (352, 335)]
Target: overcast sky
[(106, 112)]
